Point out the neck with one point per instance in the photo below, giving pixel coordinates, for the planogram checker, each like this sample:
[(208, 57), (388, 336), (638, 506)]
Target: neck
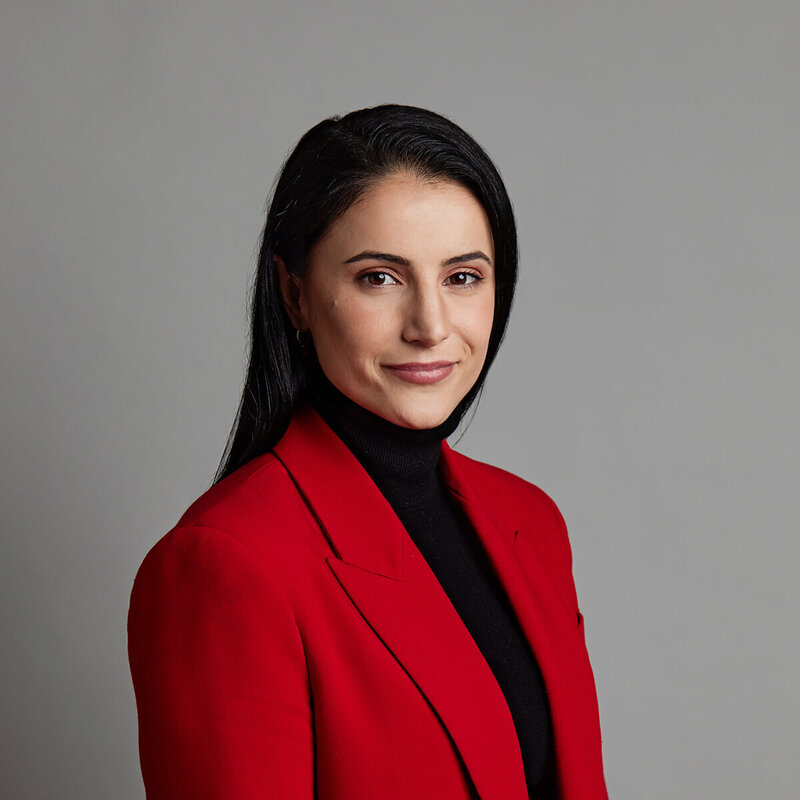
[(401, 461)]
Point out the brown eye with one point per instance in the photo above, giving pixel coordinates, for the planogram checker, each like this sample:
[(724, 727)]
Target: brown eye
[(463, 278), (378, 279)]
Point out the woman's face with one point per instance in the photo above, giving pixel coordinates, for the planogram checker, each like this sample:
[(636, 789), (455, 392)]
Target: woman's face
[(399, 299)]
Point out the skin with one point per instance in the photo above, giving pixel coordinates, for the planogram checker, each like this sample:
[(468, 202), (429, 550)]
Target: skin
[(368, 315)]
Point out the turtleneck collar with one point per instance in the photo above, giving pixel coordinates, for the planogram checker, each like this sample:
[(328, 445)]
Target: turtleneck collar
[(403, 462)]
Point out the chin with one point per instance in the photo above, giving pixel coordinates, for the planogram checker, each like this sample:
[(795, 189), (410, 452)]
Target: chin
[(419, 419)]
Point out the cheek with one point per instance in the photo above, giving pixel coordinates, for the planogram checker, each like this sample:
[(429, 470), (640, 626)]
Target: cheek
[(348, 330), (481, 321)]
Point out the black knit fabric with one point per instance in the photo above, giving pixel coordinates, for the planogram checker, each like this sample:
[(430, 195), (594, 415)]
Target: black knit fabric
[(404, 464)]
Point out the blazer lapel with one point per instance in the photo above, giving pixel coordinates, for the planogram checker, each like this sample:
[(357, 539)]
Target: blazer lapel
[(392, 586), (552, 629)]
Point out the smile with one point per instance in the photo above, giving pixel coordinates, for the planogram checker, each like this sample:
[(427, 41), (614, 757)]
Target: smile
[(422, 372)]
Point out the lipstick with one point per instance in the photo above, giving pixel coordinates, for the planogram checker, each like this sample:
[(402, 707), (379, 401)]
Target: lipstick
[(422, 372)]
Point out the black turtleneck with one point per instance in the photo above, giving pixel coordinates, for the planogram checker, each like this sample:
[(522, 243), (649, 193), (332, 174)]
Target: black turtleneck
[(404, 465)]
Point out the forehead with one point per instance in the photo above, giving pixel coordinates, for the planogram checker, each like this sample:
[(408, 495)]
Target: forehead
[(412, 217)]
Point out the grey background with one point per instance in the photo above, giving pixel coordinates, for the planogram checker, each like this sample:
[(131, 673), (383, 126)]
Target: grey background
[(649, 381)]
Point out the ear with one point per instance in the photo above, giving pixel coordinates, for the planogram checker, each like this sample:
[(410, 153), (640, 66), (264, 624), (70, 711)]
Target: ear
[(291, 292)]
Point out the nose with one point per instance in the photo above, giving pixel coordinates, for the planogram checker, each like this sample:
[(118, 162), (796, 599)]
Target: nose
[(426, 319)]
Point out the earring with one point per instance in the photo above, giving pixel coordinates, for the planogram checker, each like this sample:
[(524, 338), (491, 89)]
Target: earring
[(304, 340)]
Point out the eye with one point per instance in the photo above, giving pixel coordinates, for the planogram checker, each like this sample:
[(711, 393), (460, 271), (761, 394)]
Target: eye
[(377, 279), (464, 278)]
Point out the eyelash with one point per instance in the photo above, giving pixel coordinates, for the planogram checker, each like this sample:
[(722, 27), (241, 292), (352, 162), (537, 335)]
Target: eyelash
[(477, 278)]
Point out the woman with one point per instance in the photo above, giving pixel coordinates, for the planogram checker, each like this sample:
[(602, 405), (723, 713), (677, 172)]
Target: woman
[(355, 610)]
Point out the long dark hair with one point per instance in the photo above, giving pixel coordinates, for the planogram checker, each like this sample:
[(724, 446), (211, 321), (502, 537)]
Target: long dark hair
[(329, 168)]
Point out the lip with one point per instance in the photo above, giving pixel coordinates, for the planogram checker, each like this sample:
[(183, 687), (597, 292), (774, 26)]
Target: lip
[(422, 372)]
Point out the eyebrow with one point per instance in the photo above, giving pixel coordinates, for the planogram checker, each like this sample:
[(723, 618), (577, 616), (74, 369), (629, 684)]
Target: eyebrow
[(404, 262)]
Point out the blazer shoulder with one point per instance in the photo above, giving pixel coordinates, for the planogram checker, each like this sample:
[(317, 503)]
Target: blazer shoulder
[(258, 508), (491, 481), (527, 507), (259, 498), (237, 494)]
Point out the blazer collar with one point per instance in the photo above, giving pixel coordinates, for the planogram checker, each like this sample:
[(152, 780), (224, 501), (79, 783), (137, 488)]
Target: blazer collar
[(341, 495), (345, 499)]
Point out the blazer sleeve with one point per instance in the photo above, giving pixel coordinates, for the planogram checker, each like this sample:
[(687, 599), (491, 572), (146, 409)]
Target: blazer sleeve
[(563, 547), (219, 673), (549, 539)]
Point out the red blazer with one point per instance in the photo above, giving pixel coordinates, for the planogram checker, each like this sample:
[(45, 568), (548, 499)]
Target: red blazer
[(288, 640)]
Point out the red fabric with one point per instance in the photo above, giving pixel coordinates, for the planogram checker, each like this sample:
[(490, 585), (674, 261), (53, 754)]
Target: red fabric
[(288, 640)]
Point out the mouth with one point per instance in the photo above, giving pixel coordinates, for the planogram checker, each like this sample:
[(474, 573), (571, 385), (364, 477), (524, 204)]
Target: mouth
[(421, 372)]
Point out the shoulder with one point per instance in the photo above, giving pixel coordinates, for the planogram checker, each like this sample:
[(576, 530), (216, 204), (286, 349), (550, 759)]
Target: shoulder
[(252, 523), (502, 489), (240, 496), (518, 503), (539, 531), (258, 504)]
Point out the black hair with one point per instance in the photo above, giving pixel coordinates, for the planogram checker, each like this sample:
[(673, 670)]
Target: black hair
[(333, 164)]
